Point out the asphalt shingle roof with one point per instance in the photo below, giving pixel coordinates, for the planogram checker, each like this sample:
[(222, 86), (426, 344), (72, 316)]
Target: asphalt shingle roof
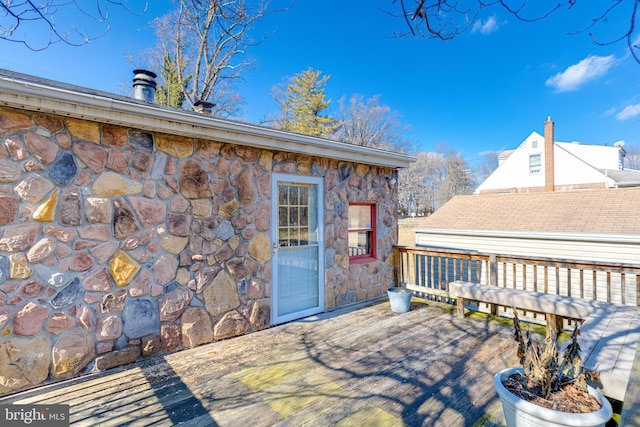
[(610, 211), (625, 176)]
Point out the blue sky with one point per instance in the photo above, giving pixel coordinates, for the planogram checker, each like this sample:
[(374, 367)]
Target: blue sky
[(486, 90)]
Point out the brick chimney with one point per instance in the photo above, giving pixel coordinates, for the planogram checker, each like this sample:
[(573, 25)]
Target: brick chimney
[(549, 180)]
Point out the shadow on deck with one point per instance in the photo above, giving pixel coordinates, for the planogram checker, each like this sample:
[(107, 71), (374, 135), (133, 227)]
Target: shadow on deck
[(364, 366)]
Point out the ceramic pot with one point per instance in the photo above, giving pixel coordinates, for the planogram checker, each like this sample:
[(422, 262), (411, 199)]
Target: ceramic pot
[(520, 413)]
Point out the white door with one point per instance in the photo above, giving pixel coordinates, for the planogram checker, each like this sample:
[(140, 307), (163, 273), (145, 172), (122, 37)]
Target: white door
[(298, 247)]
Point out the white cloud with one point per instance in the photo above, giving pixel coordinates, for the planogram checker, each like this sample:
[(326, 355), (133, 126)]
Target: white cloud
[(487, 27), (629, 112), (578, 74)]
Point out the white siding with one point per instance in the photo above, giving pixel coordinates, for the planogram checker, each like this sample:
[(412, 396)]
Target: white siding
[(570, 170), (599, 156)]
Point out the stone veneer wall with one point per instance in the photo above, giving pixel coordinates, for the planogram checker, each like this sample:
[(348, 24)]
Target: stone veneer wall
[(117, 243)]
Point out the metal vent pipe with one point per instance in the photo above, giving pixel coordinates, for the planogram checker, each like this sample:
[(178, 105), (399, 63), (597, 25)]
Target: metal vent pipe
[(144, 85)]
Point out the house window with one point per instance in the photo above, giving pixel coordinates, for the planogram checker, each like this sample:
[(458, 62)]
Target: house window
[(535, 163), (362, 231)]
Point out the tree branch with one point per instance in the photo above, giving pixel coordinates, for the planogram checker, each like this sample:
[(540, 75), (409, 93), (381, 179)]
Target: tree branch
[(447, 19), (43, 13)]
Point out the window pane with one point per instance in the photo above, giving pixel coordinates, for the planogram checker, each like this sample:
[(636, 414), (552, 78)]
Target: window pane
[(359, 216), (304, 195), (303, 234), (310, 214), (283, 195), (535, 163), (359, 243), (283, 236), (283, 218)]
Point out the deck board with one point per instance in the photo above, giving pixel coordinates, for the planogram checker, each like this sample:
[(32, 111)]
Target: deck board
[(368, 365)]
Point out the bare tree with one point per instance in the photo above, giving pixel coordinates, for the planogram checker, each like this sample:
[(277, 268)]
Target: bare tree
[(209, 41), (632, 157), (371, 124), (420, 183), (14, 15), (432, 180), (490, 162), (412, 191), (459, 178), (446, 19)]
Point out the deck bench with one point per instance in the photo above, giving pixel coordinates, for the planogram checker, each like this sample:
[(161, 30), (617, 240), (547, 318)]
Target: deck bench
[(609, 333)]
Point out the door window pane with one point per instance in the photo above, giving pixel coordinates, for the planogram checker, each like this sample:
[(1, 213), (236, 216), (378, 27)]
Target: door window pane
[(296, 215)]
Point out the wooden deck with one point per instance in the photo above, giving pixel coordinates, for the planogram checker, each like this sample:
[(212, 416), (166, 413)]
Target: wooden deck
[(364, 366)]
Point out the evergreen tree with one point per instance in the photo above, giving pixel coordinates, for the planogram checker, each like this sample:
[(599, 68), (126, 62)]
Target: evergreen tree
[(303, 104), (170, 92)]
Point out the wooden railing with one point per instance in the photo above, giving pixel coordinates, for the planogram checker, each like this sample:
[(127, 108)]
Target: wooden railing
[(428, 273)]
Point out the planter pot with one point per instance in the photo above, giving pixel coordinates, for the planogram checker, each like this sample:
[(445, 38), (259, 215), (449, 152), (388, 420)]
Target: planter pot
[(520, 413), (400, 299)]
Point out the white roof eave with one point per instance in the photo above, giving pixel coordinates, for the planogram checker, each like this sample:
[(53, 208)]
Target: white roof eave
[(45, 97), (536, 235)]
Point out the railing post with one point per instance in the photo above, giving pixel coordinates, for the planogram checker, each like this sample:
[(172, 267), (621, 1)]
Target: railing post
[(493, 270), (397, 262)]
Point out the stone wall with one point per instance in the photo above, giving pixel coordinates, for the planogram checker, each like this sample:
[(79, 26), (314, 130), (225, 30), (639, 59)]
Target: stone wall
[(117, 244)]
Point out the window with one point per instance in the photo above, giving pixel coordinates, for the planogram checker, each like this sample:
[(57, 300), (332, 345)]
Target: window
[(295, 226), (535, 162), (362, 231)]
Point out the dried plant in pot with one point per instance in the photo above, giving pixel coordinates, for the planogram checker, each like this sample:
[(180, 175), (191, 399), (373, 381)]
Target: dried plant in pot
[(549, 390)]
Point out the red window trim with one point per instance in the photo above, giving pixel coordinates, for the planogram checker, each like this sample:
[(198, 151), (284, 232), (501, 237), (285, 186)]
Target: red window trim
[(355, 259)]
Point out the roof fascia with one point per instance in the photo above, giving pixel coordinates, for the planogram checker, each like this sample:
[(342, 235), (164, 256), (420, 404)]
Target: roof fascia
[(99, 107), (539, 235)]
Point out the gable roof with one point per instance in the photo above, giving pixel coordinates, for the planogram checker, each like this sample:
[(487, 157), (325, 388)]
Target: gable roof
[(610, 211), (575, 165), (26, 92)]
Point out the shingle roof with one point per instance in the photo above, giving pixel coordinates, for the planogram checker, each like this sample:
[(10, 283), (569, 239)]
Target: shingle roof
[(623, 177), (611, 211)]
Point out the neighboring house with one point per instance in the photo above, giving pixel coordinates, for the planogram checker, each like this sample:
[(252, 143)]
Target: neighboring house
[(129, 228), (592, 226), (542, 164)]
